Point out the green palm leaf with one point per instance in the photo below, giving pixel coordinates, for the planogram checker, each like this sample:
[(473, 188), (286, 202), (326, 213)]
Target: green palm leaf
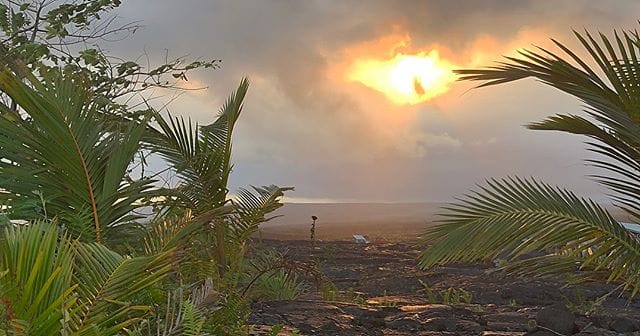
[(61, 161), (253, 208), (108, 285), (201, 155), (514, 217), (177, 232), (612, 103), (51, 284), (112, 285), (185, 312), (36, 287)]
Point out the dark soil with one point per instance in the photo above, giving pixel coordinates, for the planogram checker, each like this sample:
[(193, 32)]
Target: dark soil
[(379, 292)]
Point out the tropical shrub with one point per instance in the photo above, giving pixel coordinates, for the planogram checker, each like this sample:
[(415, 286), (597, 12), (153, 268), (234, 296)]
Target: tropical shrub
[(200, 156), (512, 217), (75, 157), (52, 283), (60, 159), (279, 285)]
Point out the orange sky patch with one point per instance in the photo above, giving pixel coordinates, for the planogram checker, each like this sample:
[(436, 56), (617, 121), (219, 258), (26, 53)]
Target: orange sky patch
[(403, 75), (405, 78)]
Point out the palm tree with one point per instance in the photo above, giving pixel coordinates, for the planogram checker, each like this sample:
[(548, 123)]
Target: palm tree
[(513, 216), (52, 284), (63, 167), (59, 157), (201, 157)]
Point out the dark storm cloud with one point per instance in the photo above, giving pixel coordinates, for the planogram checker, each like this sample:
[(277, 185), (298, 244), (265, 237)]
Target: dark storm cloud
[(305, 126)]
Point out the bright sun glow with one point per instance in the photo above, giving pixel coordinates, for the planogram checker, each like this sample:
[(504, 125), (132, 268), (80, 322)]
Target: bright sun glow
[(405, 79)]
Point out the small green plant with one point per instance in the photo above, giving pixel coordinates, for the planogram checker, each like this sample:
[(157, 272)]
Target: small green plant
[(193, 319), (477, 308), (456, 296), (276, 329), (280, 285), (578, 303), (465, 296), (329, 291), (450, 295), (386, 302), (513, 303), (428, 291), (230, 318), (355, 297)]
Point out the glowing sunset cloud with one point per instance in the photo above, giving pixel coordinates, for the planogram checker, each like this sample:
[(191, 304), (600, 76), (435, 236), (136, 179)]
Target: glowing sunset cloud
[(404, 79)]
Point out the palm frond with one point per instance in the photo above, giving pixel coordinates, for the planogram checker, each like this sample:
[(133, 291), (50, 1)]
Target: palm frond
[(200, 155), (108, 285), (170, 233), (185, 312), (36, 266), (51, 283), (514, 217), (253, 208), (63, 157), (115, 281), (612, 103), (279, 285)]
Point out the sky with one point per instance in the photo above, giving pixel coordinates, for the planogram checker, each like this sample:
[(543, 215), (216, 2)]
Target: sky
[(310, 122)]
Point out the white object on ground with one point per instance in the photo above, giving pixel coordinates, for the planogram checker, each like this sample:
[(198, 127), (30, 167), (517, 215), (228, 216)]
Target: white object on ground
[(360, 239)]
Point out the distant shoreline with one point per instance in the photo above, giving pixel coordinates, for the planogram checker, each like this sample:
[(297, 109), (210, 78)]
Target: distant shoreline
[(391, 221)]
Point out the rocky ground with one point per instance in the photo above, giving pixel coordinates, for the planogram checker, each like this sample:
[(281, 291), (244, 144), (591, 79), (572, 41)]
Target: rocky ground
[(379, 290)]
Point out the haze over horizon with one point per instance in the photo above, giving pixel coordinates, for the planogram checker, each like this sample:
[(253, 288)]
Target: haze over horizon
[(313, 121)]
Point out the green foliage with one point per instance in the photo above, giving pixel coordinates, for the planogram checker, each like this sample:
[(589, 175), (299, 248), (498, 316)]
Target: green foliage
[(355, 297), (193, 320), (329, 291), (456, 296), (231, 318), (63, 162), (579, 304), (185, 313), (449, 296), (276, 329), (201, 158), (68, 147), (78, 163), (36, 278), (386, 301), (280, 285), (47, 36), (52, 284), (429, 292), (516, 216)]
